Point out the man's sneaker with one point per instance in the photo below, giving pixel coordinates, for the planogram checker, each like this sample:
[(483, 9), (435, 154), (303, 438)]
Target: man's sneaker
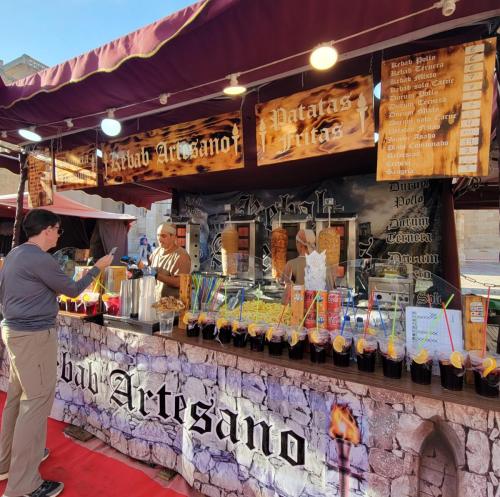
[(47, 489), (46, 453)]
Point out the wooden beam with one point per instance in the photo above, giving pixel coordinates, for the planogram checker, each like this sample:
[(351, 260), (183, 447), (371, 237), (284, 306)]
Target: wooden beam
[(23, 175)]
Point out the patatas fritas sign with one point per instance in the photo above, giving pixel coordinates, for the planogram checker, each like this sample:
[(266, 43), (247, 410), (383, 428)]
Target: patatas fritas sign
[(201, 146), (329, 119), (40, 187)]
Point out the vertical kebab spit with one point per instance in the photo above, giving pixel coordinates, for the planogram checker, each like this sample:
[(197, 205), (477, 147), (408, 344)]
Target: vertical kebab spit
[(229, 250), (279, 245), (329, 241)]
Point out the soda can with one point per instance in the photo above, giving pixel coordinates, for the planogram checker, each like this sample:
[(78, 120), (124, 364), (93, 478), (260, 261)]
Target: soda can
[(322, 301), (321, 319), (333, 320), (310, 321), (309, 296), (334, 300), (297, 304)]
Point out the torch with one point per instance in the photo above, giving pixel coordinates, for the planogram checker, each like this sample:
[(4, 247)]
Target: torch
[(344, 430), (362, 108)]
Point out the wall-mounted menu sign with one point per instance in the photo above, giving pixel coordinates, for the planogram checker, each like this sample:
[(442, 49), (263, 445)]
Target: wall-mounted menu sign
[(325, 120), (435, 113), (40, 179), (76, 168), (202, 146)]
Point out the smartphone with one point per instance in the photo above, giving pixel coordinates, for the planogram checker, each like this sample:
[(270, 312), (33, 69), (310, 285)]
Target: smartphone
[(113, 250)]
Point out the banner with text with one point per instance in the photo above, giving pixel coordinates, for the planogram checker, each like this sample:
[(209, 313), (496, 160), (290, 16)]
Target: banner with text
[(202, 146), (322, 121), (435, 113), (40, 180), (76, 168)]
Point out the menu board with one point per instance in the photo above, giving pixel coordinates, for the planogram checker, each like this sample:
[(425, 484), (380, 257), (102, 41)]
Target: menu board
[(435, 113), (325, 120), (76, 168), (202, 146), (40, 180)]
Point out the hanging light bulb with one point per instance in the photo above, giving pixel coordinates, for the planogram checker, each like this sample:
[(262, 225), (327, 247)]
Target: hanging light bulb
[(69, 123), (164, 98), (375, 137), (109, 125), (447, 7), (234, 88), (377, 90), (30, 134), (324, 56), (98, 152)]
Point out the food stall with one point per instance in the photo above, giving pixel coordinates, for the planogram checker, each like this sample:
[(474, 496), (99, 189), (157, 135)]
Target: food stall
[(338, 412)]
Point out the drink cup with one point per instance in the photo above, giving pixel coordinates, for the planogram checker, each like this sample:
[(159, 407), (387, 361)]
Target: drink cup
[(319, 339), (240, 333), (392, 351), (224, 329), (256, 334), (452, 369), (275, 336), (191, 322), (366, 352), (342, 346), (166, 320), (421, 360), (486, 371), (206, 320), (296, 338)]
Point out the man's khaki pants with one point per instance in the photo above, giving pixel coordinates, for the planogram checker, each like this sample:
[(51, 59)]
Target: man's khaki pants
[(32, 382)]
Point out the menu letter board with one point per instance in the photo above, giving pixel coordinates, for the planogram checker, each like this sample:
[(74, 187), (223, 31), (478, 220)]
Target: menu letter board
[(322, 121), (202, 146), (40, 180), (435, 113), (76, 168)]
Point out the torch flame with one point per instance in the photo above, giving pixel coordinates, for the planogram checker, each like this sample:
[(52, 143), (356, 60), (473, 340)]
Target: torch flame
[(343, 425)]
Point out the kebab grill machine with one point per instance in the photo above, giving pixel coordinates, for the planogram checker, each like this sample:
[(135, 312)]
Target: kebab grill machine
[(188, 237)]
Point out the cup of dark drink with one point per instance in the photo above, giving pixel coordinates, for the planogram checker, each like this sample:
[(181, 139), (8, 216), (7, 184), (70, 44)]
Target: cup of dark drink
[(366, 352), (275, 336), (452, 369), (240, 333), (392, 351), (224, 329), (486, 369), (256, 334), (319, 339), (296, 338), (191, 322), (420, 365), (342, 347), (206, 321)]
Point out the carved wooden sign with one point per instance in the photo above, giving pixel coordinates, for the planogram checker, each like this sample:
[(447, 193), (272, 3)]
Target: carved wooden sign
[(325, 120), (201, 146), (435, 113), (40, 180), (77, 168)]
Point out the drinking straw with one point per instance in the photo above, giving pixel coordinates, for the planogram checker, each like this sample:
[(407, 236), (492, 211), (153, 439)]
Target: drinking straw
[(393, 332), (434, 322), (309, 310), (370, 305), (346, 312), (381, 318), (241, 301), (448, 326), (485, 323), (317, 310)]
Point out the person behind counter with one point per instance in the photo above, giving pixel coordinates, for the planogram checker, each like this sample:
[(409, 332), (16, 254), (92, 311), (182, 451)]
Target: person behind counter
[(294, 271), (169, 260), (30, 281)]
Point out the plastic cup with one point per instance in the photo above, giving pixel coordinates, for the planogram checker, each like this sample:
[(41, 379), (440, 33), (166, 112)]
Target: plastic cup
[(206, 320), (366, 352), (392, 351), (486, 373), (276, 340), (240, 333), (319, 339), (166, 320), (452, 377), (256, 335), (192, 326), (420, 365), (224, 329), (341, 347), (296, 338), (112, 303)]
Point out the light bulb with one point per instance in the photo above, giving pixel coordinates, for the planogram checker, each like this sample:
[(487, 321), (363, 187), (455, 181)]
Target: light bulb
[(323, 57), (30, 134), (375, 137), (109, 125), (69, 123), (234, 88), (377, 90)]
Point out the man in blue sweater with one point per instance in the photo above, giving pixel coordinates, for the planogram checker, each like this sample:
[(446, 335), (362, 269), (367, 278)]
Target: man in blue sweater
[(30, 282)]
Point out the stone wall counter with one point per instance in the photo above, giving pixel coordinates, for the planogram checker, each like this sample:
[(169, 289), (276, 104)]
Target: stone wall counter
[(236, 423)]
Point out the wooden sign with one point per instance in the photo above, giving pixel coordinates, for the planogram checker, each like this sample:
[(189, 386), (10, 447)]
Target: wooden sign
[(40, 180), (435, 113), (77, 168), (202, 146), (322, 121)]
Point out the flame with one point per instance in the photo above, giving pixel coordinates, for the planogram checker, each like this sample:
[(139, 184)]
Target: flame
[(343, 425)]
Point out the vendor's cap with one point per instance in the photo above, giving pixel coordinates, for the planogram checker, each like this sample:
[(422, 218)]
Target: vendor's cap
[(307, 238), (167, 228)]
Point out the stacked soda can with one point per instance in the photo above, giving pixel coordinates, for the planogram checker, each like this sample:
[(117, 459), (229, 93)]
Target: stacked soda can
[(309, 296), (333, 310)]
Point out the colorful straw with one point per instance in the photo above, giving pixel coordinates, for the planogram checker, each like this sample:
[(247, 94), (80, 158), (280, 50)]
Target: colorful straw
[(381, 318), (485, 323), (437, 318), (448, 326), (309, 310)]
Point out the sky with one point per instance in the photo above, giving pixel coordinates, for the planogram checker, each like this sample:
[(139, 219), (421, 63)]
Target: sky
[(52, 31)]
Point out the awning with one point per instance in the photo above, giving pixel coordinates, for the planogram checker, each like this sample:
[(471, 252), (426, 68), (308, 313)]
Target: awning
[(63, 206)]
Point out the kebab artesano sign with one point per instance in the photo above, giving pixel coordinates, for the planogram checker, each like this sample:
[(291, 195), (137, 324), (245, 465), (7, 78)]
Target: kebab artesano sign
[(325, 120), (202, 146), (435, 113)]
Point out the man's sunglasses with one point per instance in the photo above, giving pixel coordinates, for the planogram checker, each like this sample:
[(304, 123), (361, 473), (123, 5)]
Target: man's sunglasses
[(60, 231)]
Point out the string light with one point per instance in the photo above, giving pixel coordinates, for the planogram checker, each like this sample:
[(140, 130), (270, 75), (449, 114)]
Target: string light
[(234, 88), (324, 56), (164, 98), (30, 134), (109, 125), (447, 7), (69, 123), (377, 90)]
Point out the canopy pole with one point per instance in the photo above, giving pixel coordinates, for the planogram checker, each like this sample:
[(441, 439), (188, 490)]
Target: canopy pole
[(23, 175)]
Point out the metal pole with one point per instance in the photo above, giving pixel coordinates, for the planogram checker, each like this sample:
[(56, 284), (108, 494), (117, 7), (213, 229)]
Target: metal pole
[(23, 175)]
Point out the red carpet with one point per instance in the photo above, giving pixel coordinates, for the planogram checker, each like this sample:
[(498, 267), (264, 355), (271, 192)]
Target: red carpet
[(86, 473)]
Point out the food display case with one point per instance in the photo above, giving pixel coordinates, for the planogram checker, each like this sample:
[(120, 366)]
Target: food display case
[(188, 237)]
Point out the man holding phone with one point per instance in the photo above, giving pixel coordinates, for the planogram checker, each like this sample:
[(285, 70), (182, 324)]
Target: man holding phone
[(30, 282)]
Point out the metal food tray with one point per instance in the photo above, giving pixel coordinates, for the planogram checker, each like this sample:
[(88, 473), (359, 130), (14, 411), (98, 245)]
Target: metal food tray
[(130, 324)]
